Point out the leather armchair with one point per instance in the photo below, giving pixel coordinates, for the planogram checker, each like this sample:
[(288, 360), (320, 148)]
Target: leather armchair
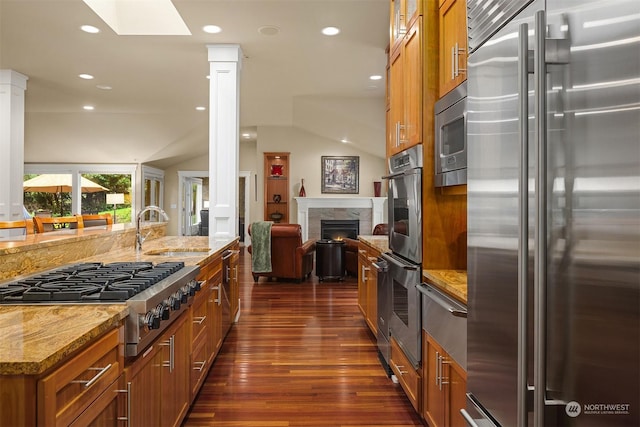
[(290, 257), (351, 249)]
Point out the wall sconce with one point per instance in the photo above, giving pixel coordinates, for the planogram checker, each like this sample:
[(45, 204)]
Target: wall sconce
[(115, 199)]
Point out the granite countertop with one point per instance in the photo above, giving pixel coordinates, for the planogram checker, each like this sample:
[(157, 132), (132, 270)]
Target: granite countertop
[(380, 243), (29, 344), (452, 282)]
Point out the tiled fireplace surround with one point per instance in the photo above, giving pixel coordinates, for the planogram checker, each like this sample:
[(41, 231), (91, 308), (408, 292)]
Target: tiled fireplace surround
[(369, 210)]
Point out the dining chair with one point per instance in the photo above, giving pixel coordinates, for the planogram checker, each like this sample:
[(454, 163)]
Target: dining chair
[(44, 225), (93, 220), (27, 224)]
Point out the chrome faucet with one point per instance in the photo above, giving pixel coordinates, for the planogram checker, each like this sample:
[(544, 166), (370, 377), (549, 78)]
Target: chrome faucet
[(139, 238)]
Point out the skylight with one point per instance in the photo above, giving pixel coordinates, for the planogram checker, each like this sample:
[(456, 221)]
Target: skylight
[(140, 17)]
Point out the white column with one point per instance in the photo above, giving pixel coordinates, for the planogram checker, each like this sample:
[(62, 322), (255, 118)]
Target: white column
[(378, 210), (225, 62), (12, 88)]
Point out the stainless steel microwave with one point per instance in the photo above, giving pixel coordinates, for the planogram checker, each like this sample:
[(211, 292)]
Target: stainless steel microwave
[(451, 138)]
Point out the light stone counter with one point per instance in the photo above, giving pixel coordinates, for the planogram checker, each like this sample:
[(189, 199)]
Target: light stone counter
[(379, 243), (452, 282), (37, 337)]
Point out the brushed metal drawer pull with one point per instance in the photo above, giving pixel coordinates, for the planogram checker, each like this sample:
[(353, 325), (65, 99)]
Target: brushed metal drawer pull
[(399, 368), (96, 377), (199, 320)]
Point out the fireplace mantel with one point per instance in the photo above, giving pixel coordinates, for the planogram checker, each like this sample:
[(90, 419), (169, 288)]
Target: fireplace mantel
[(376, 204)]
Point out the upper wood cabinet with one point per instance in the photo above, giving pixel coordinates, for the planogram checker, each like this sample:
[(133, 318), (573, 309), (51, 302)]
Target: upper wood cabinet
[(405, 91), (402, 13), (453, 44), (276, 187)]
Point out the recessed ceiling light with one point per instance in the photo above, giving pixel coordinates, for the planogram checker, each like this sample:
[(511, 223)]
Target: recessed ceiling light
[(104, 87), (85, 76), (375, 77), (201, 108), (90, 29), (344, 140), (211, 29), (246, 135), (268, 30), (330, 31), (89, 107)]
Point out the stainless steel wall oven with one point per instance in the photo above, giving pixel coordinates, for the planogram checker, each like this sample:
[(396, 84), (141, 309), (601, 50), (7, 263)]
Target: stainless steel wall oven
[(405, 242), (405, 204)]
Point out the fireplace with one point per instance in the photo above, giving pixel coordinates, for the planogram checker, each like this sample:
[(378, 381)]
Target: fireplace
[(337, 229)]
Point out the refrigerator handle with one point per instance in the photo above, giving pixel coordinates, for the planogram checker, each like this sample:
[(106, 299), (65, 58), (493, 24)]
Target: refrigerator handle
[(523, 220), (540, 270)]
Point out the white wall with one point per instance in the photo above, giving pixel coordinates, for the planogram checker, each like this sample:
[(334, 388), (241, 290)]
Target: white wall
[(305, 162)]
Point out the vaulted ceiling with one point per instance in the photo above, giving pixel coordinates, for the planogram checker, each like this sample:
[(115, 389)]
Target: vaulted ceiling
[(296, 77)]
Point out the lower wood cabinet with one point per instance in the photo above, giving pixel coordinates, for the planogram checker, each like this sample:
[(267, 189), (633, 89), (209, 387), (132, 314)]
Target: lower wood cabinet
[(85, 388), (368, 286), (408, 377), (444, 386), (158, 381)]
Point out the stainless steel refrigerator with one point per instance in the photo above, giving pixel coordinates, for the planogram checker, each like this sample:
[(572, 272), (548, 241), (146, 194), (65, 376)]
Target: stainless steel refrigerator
[(553, 134)]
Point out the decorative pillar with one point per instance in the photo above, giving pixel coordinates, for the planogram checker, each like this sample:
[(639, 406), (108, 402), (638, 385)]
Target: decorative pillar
[(12, 88), (225, 62)]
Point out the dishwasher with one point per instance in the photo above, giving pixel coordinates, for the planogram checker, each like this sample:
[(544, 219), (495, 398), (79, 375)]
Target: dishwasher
[(445, 319)]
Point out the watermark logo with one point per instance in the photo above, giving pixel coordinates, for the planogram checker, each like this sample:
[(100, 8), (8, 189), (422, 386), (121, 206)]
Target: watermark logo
[(573, 409)]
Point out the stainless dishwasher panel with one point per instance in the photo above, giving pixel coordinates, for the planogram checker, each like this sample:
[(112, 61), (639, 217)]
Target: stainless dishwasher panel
[(384, 311), (445, 319)]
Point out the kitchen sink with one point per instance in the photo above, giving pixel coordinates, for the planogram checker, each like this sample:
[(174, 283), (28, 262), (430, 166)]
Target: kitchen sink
[(179, 252)]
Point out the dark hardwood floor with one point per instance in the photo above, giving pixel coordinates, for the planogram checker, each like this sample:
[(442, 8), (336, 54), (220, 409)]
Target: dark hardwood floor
[(300, 355)]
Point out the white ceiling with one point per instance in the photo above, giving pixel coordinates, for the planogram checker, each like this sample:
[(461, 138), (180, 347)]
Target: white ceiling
[(295, 78)]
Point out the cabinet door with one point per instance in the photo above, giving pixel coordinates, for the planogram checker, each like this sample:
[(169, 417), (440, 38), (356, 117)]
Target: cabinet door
[(174, 374), (143, 379), (215, 311), (235, 285), (453, 44), (396, 97), (372, 296), (105, 411), (363, 277), (412, 52), (457, 395), (434, 405)]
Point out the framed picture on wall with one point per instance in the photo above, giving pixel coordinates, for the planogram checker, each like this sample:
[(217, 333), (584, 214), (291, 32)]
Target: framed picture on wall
[(340, 174)]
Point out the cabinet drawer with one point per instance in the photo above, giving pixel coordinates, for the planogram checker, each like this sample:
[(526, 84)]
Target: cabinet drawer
[(199, 368), (408, 377), (65, 393), (199, 313)]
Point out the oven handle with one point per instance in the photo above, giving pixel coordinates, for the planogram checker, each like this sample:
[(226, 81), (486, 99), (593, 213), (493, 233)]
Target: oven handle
[(398, 263), (412, 171), (453, 310)]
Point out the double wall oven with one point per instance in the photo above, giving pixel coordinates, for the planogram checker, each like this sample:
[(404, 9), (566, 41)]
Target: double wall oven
[(404, 270)]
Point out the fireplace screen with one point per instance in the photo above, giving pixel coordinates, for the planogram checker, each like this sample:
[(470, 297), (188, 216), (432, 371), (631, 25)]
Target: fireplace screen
[(338, 229)]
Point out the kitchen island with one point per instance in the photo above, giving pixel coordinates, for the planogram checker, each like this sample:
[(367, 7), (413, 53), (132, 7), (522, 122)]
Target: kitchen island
[(63, 363)]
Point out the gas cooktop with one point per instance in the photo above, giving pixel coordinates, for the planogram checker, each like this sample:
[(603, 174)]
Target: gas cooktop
[(88, 282)]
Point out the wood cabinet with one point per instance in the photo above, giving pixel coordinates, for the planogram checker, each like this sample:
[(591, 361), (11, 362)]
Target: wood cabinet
[(276, 187), (85, 388), (408, 377), (234, 281), (453, 44), (158, 381), (368, 286), (402, 14), (444, 386), (405, 91)]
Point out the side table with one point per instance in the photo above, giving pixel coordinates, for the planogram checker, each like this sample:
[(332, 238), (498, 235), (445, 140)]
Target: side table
[(330, 259)]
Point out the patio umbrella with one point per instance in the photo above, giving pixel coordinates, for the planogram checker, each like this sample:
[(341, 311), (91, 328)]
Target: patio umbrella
[(59, 183)]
